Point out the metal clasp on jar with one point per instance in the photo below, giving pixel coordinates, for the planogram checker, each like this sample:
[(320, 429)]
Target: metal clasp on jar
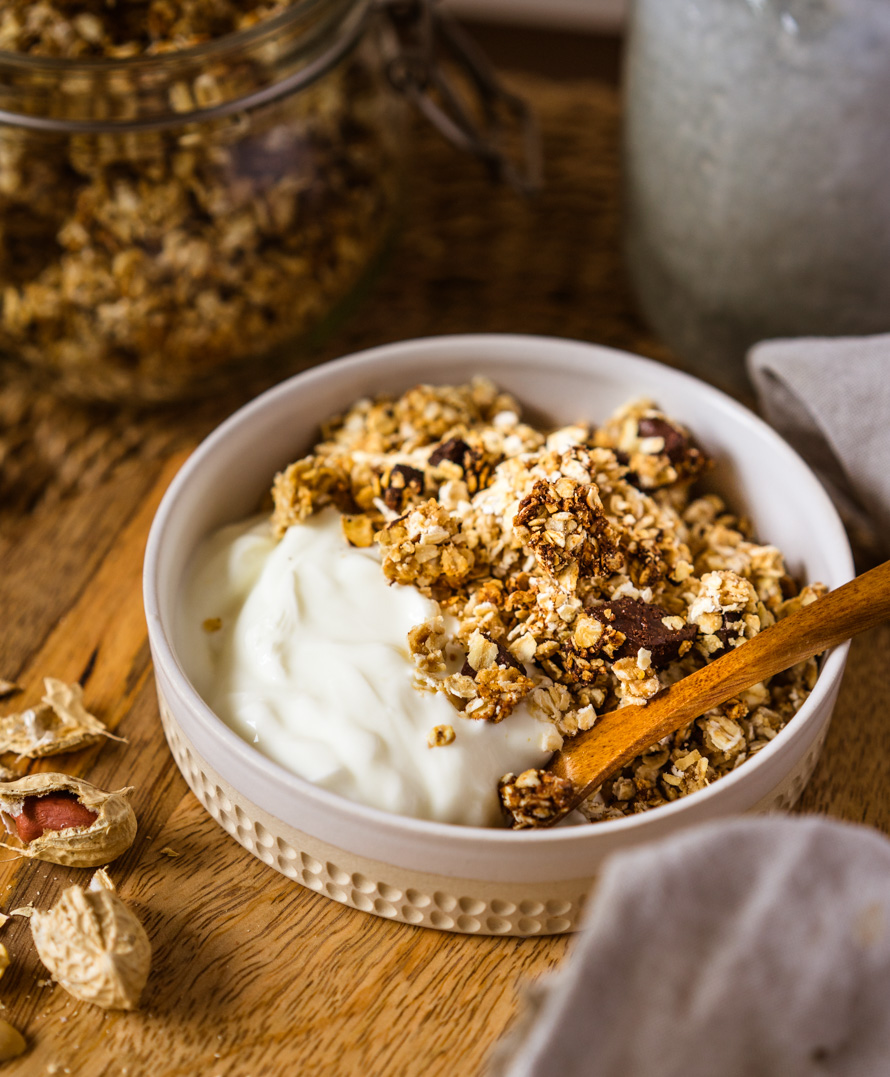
[(480, 118)]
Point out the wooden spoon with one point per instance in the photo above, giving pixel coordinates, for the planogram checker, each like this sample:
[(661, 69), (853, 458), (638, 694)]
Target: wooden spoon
[(589, 758)]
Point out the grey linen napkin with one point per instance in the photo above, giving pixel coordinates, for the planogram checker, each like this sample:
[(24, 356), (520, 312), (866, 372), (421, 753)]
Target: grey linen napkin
[(751, 948), (830, 398)]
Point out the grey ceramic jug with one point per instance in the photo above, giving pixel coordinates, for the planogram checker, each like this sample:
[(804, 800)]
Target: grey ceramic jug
[(757, 172)]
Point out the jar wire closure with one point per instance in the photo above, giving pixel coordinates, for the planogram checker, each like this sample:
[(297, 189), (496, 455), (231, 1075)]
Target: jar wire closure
[(426, 33), (481, 123)]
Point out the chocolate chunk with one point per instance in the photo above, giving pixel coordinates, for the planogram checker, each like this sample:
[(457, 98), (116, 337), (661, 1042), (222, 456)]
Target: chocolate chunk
[(630, 476), (504, 659), (730, 630), (675, 441), (642, 623), (403, 481), (454, 449), (679, 448), (477, 467)]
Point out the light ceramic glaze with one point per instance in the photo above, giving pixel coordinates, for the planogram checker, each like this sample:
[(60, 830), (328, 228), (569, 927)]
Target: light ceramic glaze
[(560, 382)]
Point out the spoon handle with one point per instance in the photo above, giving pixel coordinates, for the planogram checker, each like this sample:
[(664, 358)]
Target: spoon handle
[(619, 736)]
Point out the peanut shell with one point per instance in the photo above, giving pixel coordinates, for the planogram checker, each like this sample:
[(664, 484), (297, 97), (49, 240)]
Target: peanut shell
[(7, 688), (101, 880), (59, 723), (94, 948), (110, 835), (12, 1042)]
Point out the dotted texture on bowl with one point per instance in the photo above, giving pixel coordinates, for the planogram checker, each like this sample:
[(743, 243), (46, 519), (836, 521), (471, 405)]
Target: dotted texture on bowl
[(276, 844), (332, 872)]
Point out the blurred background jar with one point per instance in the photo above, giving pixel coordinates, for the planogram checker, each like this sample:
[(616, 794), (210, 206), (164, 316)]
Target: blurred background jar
[(757, 172), (175, 215)]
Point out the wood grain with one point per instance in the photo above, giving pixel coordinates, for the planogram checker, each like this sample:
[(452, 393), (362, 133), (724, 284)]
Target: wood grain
[(621, 735), (337, 992), (254, 976)]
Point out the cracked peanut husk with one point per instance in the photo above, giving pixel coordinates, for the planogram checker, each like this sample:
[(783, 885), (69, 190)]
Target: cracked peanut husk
[(94, 947), (59, 723), (109, 835)]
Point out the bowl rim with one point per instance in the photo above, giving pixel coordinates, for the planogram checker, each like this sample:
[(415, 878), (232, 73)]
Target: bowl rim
[(450, 833)]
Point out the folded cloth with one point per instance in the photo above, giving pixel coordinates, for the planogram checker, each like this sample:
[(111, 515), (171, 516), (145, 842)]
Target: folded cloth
[(830, 398), (750, 948)]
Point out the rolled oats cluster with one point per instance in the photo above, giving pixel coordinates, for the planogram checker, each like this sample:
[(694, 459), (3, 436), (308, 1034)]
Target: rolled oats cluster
[(119, 30), (575, 571), (151, 263)]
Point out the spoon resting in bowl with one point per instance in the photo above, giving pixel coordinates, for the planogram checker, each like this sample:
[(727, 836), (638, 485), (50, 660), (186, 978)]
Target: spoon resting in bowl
[(540, 798)]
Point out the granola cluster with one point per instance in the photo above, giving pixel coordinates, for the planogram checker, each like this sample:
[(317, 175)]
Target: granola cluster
[(151, 263), (534, 797), (574, 571), (108, 28)]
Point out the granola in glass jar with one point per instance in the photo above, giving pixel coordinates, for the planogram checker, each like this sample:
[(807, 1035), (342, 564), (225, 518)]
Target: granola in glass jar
[(186, 189)]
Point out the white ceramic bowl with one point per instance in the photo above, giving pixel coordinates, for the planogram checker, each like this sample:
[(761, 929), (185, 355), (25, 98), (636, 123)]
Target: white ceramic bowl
[(473, 880)]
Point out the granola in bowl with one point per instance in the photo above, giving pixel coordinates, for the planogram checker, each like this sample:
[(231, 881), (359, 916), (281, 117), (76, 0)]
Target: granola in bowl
[(570, 571), (486, 879)]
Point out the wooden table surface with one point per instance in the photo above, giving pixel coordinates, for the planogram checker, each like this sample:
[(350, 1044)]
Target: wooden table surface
[(253, 975)]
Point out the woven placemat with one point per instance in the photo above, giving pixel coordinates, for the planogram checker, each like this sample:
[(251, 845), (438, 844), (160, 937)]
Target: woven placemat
[(470, 256)]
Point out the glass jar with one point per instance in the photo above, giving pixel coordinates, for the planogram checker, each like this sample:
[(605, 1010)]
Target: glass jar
[(757, 140), (167, 222)]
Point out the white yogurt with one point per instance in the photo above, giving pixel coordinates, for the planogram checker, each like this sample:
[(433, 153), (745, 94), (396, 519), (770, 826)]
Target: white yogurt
[(311, 666)]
